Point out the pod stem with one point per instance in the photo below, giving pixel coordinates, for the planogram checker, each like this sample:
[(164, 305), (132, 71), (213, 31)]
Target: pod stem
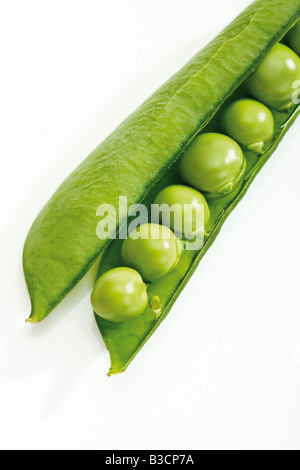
[(196, 240), (286, 108), (156, 305), (256, 148)]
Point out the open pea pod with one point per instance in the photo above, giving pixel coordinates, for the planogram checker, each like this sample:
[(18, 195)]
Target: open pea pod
[(140, 157)]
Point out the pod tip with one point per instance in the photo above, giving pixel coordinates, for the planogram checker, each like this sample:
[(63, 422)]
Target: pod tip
[(31, 319)]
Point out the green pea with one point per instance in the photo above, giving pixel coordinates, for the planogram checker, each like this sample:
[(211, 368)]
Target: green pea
[(273, 81), (213, 163), (248, 122), (119, 295), (190, 210), (153, 250), (293, 38)]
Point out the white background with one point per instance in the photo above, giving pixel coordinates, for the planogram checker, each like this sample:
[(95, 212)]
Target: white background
[(223, 371)]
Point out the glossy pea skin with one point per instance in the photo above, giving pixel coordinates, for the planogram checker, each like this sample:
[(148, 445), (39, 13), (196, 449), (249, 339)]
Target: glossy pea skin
[(190, 208), (293, 38), (213, 163), (152, 250), (119, 295), (249, 122), (272, 82)]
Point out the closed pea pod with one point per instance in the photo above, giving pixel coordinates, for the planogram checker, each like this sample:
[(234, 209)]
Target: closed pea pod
[(273, 81), (249, 122), (214, 164)]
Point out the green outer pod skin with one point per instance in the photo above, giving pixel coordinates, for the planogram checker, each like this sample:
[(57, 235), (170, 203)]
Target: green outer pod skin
[(153, 252), (248, 122), (213, 163), (293, 38), (119, 295), (273, 81), (177, 196)]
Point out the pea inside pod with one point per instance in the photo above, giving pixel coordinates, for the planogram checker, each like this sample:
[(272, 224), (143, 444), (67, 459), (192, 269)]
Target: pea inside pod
[(153, 250), (119, 295), (189, 210), (273, 81), (213, 163), (249, 122)]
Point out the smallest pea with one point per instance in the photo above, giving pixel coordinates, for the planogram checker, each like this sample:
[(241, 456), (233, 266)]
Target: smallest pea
[(250, 123)]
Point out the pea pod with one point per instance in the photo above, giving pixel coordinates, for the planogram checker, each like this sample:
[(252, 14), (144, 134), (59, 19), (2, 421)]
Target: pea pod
[(137, 160)]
